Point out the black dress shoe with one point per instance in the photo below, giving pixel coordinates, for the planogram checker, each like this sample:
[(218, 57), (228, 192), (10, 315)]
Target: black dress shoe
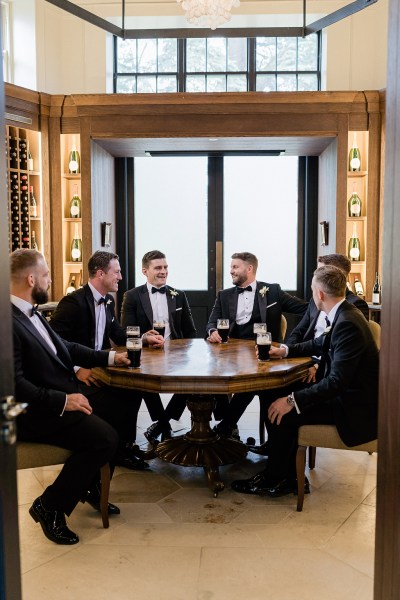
[(130, 461), (286, 486), (53, 524), (255, 485), (151, 434), (227, 431), (261, 450), (93, 498)]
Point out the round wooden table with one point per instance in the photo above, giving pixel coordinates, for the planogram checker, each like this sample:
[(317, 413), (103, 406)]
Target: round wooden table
[(201, 370)]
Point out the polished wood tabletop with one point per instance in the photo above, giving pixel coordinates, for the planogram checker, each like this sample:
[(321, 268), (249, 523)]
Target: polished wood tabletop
[(199, 367), (202, 370)]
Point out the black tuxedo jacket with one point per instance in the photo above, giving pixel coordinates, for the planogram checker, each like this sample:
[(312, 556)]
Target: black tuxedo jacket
[(350, 384), (43, 378), (304, 331), (137, 310), (271, 305), (74, 320)]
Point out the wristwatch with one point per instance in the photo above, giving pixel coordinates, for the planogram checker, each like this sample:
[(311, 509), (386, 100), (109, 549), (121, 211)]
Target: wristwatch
[(290, 399)]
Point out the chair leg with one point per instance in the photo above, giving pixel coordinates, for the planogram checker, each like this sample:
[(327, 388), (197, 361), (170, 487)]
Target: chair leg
[(261, 425), (312, 451), (300, 468), (104, 493)]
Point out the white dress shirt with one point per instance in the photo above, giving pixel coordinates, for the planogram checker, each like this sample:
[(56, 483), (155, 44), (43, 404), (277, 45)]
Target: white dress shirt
[(159, 305), (245, 305)]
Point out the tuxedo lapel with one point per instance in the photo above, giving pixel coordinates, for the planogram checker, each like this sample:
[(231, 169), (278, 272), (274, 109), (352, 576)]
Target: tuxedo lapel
[(110, 315), (146, 304), (62, 355), (90, 303), (171, 302), (232, 305), (262, 301)]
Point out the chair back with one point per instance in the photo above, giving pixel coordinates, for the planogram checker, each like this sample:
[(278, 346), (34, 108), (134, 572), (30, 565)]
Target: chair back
[(375, 329), (283, 327)]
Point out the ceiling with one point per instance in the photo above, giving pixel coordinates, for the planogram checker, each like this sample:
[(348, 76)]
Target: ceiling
[(137, 147)]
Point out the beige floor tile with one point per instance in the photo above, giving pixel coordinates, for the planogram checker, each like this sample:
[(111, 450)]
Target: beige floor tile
[(279, 574), (199, 506), (28, 485), (125, 573)]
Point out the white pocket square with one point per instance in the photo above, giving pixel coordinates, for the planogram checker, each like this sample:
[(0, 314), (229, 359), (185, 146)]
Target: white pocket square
[(273, 304), (178, 309)]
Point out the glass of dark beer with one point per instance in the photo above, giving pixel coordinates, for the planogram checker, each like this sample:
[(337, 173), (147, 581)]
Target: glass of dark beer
[(159, 326), (259, 328), (223, 329), (263, 346), (133, 331), (134, 349)]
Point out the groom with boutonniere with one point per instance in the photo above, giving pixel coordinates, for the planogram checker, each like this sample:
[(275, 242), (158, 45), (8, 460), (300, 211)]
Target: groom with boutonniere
[(248, 302)]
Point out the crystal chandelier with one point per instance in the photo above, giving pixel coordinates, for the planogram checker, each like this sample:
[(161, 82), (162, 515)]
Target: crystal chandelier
[(208, 12)]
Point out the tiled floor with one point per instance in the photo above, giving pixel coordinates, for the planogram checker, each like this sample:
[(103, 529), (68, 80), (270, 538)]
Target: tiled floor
[(175, 541)]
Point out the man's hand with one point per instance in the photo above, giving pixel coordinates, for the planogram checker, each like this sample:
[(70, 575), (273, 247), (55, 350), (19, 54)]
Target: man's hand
[(86, 376), (153, 338), (78, 402), (311, 375), (121, 359), (214, 337), (278, 409), (276, 352)]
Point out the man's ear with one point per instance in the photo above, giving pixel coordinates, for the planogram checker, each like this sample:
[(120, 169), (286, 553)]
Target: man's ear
[(31, 280)]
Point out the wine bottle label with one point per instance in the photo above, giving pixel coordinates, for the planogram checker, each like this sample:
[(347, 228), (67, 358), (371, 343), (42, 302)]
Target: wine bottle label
[(355, 164), (354, 253), (355, 210), (76, 254), (74, 211), (375, 298)]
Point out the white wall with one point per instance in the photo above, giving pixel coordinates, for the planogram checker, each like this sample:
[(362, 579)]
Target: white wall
[(72, 54)]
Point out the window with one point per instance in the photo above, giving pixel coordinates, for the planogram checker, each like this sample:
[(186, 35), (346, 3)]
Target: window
[(217, 64)]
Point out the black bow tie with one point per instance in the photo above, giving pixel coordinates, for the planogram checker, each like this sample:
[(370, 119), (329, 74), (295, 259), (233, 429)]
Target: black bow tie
[(35, 310), (246, 289), (101, 301), (162, 290)]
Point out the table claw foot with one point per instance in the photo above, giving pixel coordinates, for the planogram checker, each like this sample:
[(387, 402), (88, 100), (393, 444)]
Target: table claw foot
[(215, 483)]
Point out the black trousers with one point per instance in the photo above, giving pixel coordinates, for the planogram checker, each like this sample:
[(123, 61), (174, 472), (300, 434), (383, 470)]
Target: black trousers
[(92, 441)]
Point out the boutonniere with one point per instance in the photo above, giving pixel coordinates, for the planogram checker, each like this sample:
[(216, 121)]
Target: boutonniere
[(263, 291), (327, 329), (108, 302), (174, 293)]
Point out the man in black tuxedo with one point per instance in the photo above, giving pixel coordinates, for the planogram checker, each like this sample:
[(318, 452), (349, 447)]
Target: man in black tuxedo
[(87, 316), (60, 411), (346, 396), (157, 301), (249, 302), (311, 325)]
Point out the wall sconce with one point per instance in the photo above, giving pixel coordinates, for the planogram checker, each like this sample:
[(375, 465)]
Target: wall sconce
[(106, 234), (324, 233)]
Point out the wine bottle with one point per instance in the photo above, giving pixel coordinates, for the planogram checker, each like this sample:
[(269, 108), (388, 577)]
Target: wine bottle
[(76, 246), (71, 286), (354, 245), (32, 203), (376, 291), (34, 245), (358, 287), (75, 205), (354, 205), (74, 160), (30, 161), (354, 156)]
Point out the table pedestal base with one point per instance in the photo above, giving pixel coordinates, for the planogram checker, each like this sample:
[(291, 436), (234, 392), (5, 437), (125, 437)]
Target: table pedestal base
[(201, 447)]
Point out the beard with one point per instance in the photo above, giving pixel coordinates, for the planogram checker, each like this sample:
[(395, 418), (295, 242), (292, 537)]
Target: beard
[(39, 295), (239, 279)]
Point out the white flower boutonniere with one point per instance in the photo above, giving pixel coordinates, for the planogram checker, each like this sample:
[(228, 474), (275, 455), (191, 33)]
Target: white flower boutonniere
[(263, 291), (173, 293), (108, 302), (327, 329)]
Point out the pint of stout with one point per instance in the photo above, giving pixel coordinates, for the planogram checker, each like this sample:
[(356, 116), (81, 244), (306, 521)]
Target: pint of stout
[(134, 348), (223, 329), (159, 326), (133, 331), (263, 346), (259, 328)]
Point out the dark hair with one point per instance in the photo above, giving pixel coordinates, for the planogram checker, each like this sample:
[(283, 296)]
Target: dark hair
[(247, 257), (337, 260), (23, 259), (100, 260), (332, 280), (149, 256)]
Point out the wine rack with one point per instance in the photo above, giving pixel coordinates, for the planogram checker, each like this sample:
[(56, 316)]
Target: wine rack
[(69, 183), (24, 174), (357, 181)]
